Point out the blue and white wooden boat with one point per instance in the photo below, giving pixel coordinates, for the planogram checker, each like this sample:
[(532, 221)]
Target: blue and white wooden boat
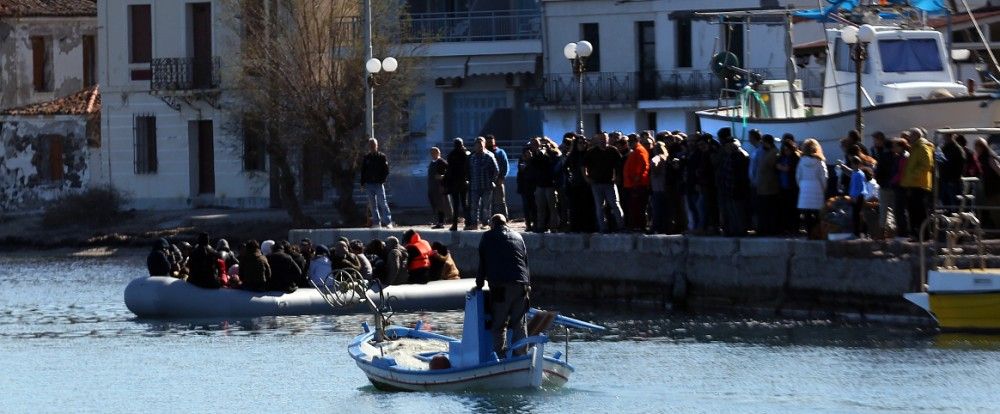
[(412, 359)]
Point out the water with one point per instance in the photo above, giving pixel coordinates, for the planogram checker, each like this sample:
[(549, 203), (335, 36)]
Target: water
[(68, 344)]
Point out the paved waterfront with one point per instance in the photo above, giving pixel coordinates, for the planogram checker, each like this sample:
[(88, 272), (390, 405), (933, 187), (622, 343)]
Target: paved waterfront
[(69, 344)]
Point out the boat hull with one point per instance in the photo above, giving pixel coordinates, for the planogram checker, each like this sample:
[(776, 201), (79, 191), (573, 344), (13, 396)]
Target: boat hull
[(965, 300), (891, 119), (166, 297), (504, 375)]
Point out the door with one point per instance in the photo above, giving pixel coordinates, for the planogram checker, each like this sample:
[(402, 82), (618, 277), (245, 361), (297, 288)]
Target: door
[(647, 59), (468, 113), (206, 157), (201, 45)]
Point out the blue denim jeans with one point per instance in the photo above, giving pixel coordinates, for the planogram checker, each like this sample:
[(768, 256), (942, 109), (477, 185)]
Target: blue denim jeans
[(480, 207), (378, 205), (607, 193)]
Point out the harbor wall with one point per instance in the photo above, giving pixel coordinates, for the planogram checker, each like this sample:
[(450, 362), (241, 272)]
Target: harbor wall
[(787, 277)]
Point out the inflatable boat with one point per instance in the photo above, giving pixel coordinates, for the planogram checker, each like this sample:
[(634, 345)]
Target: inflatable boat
[(167, 297)]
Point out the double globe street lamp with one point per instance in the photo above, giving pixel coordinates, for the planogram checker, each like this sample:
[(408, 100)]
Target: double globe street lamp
[(373, 66), (577, 53), (858, 38)]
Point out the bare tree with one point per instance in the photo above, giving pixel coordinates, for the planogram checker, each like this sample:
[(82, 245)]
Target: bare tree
[(300, 88)]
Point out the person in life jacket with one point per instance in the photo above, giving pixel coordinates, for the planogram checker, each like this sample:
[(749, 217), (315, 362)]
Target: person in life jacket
[(418, 262)]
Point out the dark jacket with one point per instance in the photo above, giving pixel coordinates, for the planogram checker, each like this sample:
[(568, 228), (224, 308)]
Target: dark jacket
[(457, 179), (543, 164), (158, 262), (502, 258), (885, 165), (374, 168), (255, 272), (204, 268), (954, 163), (285, 273), (602, 164)]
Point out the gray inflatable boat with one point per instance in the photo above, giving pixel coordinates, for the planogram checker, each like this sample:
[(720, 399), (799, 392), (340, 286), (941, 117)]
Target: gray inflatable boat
[(167, 297)]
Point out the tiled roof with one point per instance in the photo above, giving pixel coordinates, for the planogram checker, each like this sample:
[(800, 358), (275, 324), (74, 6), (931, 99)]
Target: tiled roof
[(48, 8), (85, 102)]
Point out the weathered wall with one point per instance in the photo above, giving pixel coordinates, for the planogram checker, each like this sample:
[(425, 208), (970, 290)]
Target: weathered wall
[(22, 157), (16, 87), (858, 278)]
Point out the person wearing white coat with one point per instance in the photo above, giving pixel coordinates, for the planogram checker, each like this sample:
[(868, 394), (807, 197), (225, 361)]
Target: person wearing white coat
[(811, 177)]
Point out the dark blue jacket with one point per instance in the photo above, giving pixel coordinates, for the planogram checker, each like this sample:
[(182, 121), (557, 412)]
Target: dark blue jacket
[(503, 258)]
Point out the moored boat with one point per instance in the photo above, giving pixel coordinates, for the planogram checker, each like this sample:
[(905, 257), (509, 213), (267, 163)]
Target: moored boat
[(962, 299), (411, 359), (167, 297)]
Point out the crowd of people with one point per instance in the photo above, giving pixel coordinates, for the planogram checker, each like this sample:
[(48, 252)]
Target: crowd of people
[(284, 267), (672, 183)]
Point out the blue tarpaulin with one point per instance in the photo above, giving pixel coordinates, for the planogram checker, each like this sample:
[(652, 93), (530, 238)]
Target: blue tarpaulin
[(928, 6)]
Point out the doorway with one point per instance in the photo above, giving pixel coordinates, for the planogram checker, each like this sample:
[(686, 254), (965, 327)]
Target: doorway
[(202, 155), (201, 45)]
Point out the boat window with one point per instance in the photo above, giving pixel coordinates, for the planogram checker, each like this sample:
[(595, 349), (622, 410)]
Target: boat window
[(910, 55), (842, 58)]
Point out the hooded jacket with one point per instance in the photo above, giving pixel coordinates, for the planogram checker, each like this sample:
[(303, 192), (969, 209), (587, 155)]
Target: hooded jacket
[(418, 253), (636, 172), (204, 267), (284, 272), (158, 262), (918, 170), (255, 272), (395, 263)]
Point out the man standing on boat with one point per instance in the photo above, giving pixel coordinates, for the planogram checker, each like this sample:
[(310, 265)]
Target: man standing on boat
[(503, 262)]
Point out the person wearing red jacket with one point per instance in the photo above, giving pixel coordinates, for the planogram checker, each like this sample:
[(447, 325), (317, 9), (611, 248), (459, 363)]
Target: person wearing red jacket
[(636, 183), (418, 252)]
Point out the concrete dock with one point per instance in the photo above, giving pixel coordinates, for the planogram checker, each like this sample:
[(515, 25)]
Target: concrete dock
[(857, 280)]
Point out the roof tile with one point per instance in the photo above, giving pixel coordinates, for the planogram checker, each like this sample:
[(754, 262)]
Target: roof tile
[(85, 102), (47, 8)]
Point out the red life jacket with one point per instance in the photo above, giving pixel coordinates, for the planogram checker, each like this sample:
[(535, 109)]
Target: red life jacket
[(223, 276), (423, 259)]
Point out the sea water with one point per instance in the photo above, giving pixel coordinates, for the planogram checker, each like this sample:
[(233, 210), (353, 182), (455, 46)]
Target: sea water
[(68, 344)]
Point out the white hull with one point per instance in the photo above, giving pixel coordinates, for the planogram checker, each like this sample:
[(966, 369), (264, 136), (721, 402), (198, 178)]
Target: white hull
[(512, 375), (977, 111), (167, 297)]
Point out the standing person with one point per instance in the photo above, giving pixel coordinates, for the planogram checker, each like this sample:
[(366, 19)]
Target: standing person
[(543, 162), (989, 161), (885, 169), (600, 168), (636, 182), (437, 191), (768, 187), (374, 172), (500, 191), (811, 177), (457, 181), (483, 171), (917, 178), (788, 212), (901, 155), (503, 262), (526, 188), (582, 218), (733, 184), (950, 171), (658, 185), (972, 167), (754, 152)]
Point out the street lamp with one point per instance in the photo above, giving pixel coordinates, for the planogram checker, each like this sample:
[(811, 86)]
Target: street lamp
[(858, 38), (577, 54), (372, 67)]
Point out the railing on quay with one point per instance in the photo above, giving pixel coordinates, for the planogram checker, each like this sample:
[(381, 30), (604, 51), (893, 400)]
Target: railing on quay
[(518, 24), (184, 74)]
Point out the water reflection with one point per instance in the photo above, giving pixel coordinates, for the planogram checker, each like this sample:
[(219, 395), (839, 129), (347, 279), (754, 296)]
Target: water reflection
[(967, 341)]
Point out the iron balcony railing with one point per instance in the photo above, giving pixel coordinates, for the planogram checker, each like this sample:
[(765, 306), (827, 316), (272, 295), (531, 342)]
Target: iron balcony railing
[(184, 74), (599, 88), (519, 24)]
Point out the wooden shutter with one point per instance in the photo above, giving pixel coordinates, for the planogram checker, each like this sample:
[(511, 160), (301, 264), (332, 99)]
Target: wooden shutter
[(141, 29), (39, 60), (89, 61), (56, 158)]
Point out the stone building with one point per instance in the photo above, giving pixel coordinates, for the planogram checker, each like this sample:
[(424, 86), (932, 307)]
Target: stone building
[(46, 149), (48, 49)]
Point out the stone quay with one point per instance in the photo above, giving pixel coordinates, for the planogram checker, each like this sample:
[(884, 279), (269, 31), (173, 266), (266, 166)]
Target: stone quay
[(846, 280)]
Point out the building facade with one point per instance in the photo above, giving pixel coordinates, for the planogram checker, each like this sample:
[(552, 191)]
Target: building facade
[(165, 133), (650, 66)]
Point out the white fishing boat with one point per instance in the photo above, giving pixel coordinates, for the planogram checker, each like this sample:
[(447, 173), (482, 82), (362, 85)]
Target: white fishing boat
[(906, 81), (412, 359)]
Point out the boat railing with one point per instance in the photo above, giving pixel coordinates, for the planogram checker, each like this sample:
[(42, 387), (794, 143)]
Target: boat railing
[(733, 100)]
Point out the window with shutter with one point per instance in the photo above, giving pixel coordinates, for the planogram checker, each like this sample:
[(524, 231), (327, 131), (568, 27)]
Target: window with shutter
[(41, 63), (145, 144), (140, 39), (89, 61)]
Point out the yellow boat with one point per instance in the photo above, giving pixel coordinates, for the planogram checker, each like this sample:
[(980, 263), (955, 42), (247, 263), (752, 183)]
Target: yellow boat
[(962, 299)]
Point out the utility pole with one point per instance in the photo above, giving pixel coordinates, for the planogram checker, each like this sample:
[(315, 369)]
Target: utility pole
[(369, 87)]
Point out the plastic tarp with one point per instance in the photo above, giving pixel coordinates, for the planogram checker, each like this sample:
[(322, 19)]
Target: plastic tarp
[(823, 14), (910, 55)]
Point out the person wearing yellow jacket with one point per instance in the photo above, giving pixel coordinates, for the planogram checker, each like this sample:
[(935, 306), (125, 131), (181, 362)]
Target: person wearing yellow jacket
[(917, 179)]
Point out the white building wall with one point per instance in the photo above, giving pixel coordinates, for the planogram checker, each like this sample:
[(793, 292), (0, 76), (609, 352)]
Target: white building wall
[(174, 183), (16, 57)]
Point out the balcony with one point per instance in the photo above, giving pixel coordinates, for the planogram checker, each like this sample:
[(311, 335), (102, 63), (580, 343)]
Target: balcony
[(599, 89), (474, 26), (185, 74)]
